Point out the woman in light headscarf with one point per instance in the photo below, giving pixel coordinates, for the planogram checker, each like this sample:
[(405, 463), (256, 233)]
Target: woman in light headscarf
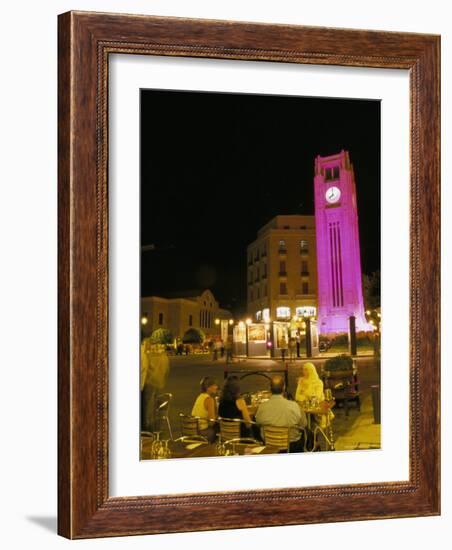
[(309, 385)]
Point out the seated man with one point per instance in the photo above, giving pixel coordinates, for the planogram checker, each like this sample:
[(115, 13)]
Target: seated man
[(280, 412)]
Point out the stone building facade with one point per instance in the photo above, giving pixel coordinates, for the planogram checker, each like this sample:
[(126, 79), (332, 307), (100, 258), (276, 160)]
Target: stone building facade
[(282, 269)]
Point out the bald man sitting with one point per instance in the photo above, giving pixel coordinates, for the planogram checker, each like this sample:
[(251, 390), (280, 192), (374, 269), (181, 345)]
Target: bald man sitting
[(279, 411)]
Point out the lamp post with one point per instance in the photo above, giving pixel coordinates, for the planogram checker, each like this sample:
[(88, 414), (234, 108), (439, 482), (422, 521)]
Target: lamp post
[(247, 324), (307, 321), (352, 335)]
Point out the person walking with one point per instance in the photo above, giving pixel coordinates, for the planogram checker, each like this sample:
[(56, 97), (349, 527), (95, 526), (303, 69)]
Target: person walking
[(292, 349)]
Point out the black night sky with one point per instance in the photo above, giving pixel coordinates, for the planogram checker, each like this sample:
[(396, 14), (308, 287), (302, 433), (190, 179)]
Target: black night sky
[(216, 167)]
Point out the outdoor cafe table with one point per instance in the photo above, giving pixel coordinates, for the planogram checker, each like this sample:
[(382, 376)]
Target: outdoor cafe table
[(323, 410), (180, 449)]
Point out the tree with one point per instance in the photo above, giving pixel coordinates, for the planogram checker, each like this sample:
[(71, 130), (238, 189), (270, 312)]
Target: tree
[(162, 336), (193, 336), (371, 290)]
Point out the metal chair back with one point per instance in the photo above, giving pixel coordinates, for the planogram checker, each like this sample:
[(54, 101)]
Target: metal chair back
[(229, 428), (277, 437), (162, 410), (189, 425)]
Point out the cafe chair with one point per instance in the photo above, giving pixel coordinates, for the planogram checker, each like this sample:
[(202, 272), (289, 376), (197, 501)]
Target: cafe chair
[(162, 410), (278, 437), (230, 428), (146, 438), (189, 425), (344, 386)]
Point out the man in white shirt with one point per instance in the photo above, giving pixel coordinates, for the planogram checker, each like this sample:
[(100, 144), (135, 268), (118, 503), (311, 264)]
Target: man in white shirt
[(279, 411)]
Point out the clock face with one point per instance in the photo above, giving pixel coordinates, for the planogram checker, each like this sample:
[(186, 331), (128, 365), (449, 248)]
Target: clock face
[(333, 194)]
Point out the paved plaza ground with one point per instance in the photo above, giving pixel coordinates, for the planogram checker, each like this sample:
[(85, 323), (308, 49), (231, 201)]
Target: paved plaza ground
[(357, 431)]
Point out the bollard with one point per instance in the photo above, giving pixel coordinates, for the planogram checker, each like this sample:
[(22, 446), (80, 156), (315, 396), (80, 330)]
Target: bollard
[(376, 404)]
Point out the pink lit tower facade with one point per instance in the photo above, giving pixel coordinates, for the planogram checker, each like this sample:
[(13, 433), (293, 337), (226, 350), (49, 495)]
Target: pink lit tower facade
[(340, 292)]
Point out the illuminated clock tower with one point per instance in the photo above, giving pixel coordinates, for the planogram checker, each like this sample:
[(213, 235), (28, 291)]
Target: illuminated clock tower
[(340, 292)]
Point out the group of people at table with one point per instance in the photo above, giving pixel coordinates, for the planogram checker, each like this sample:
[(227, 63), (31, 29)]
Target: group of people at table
[(277, 411)]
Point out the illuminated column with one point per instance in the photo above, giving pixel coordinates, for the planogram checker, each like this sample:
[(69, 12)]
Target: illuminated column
[(338, 254)]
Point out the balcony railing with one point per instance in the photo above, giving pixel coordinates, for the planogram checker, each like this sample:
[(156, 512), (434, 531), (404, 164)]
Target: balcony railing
[(283, 273)]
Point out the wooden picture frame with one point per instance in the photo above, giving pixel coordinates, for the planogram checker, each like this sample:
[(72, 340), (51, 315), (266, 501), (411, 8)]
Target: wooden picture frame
[(86, 40)]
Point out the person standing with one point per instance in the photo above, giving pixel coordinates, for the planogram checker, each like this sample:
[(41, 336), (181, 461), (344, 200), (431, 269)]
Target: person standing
[(292, 348), (229, 350), (154, 373)]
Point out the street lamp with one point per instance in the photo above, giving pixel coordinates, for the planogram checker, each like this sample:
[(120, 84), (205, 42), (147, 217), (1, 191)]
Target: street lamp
[(144, 320)]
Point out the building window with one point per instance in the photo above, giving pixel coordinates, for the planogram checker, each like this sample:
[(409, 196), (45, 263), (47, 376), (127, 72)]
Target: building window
[(251, 295), (305, 288), (258, 315), (257, 275), (304, 246), (257, 294), (190, 320), (282, 288), (160, 318), (332, 173), (282, 268), (286, 227), (282, 246), (264, 251), (283, 312), (264, 290), (304, 267), (266, 314), (264, 271)]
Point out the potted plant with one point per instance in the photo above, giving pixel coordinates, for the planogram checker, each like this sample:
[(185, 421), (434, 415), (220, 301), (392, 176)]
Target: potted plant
[(340, 365)]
